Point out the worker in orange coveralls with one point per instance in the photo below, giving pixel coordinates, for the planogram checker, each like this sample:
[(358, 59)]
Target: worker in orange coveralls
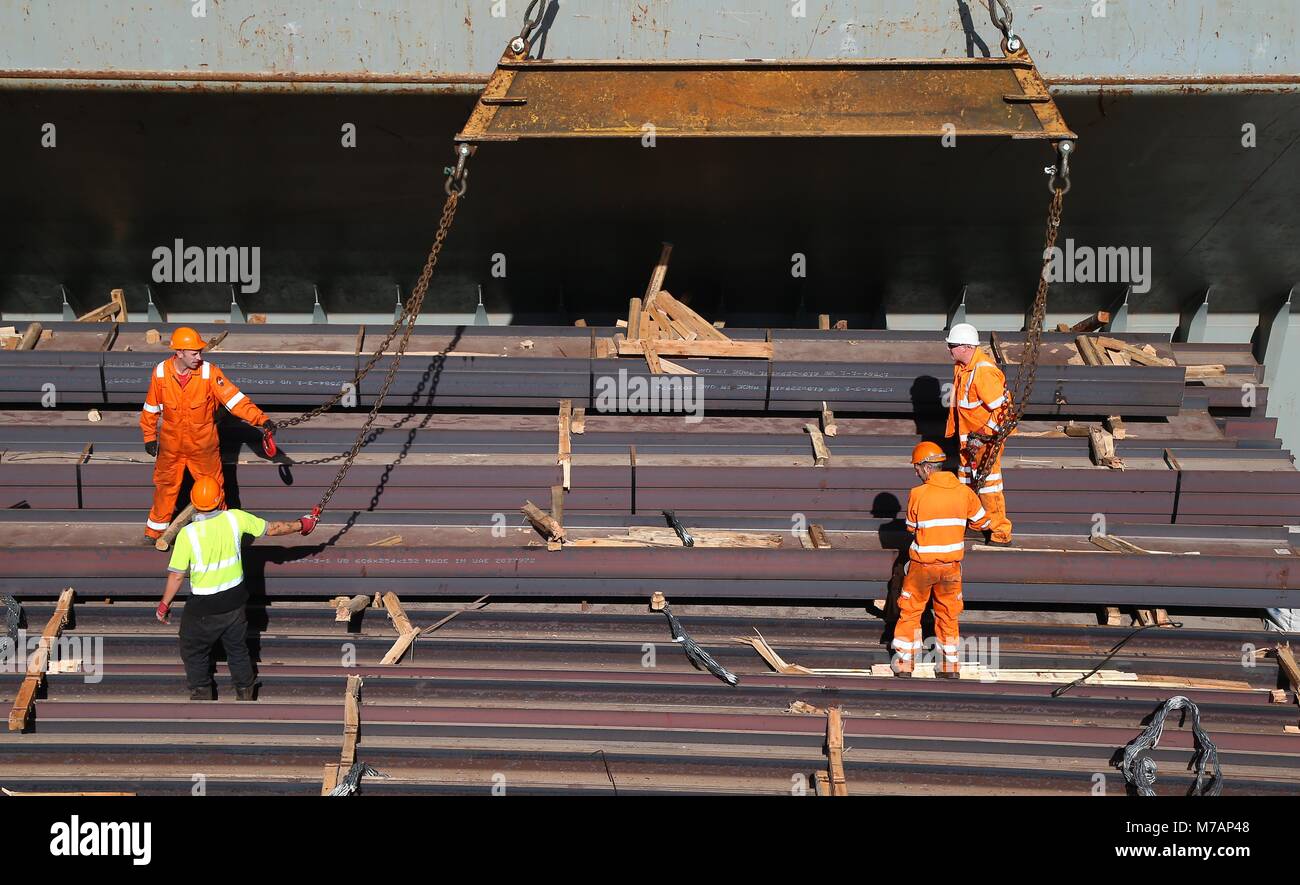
[(177, 421), (979, 398), (937, 514)]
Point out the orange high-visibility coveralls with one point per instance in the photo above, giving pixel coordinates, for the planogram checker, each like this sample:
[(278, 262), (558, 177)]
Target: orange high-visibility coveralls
[(938, 513), (979, 391), (187, 437)]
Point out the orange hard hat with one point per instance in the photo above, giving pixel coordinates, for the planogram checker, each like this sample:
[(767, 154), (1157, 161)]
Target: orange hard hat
[(186, 338), (206, 494), (928, 453)]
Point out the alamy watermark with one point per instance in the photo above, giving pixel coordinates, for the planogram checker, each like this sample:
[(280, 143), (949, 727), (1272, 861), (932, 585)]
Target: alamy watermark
[(641, 394), (1099, 264), (68, 654), (179, 263)]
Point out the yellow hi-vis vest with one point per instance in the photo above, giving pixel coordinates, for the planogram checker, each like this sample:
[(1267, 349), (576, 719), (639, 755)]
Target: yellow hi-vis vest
[(210, 550)]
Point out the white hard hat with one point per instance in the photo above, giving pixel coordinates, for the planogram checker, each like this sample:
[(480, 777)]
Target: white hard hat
[(964, 333)]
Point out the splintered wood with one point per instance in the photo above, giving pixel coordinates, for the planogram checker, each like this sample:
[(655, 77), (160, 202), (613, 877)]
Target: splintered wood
[(659, 325), (406, 633), (565, 456), (39, 663), (549, 527), (835, 752), (821, 454), (351, 732)]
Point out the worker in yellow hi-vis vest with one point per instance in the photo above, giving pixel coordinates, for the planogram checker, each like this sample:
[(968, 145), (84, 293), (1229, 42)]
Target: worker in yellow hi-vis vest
[(209, 551)]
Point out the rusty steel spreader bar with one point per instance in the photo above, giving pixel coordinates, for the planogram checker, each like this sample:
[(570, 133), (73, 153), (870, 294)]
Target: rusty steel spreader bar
[(529, 98)]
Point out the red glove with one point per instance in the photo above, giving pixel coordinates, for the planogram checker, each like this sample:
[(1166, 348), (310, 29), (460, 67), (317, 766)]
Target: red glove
[(164, 612), (308, 522)]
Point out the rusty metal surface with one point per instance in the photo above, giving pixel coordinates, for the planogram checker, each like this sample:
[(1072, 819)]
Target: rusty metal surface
[(885, 97)]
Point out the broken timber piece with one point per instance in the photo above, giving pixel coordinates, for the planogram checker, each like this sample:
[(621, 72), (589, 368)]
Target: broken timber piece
[(557, 504), (1101, 446), (828, 420), (652, 359), (1197, 373), (671, 368), (688, 319), (841, 325), (700, 348), (550, 529), (634, 319), (835, 751), (1112, 616), (1088, 350), (406, 633), (579, 423), (658, 275), (1144, 355), (116, 307), (1115, 424), (824, 322), (804, 707), (25, 699), (1072, 429), (351, 730), (168, 537), (657, 601), (30, 337), (821, 454), (1087, 324), (564, 459), (818, 536), (1286, 665), (390, 541), (345, 608)]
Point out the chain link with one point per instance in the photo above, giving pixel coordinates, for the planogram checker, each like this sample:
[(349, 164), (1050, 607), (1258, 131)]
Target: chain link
[(410, 313), (1018, 396)]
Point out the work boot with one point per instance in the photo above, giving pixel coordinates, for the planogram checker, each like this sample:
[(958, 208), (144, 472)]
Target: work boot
[(203, 694), (246, 693), (990, 541), (148, 541)]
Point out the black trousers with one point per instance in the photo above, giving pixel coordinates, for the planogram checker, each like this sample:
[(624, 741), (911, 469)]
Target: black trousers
[(200, 632)]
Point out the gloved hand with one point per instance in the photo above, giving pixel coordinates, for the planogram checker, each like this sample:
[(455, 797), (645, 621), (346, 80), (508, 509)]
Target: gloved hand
[(268, 440), (164, 613), (151, 447), (308, 522)]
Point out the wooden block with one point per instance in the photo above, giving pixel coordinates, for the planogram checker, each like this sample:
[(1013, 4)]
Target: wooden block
[(828, 420), (671, 368), (330, 778), (557, 504), (30, 337), (657, 601), (345, 608), (1076, 430), (659, 274), (835, 751), (579, 423), (824, 321), (580, 323), (552, 545), (1112, 616), (689, 319), (118, 297), (398, 615), (1286, 663), (1087, 324), (152, 336), (821, 783), (652, 359), (1196, 373), (549, 528), (821, 454), (634, 319), (1115, 424), (701, 348), (1088, 350), (1101, 446), (817, 535), (842, 325), (400, 646), (257, 319)]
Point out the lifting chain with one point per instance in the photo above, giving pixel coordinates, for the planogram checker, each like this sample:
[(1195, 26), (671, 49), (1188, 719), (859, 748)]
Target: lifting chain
[(1003, 22), (1018, 394), (455, 188)]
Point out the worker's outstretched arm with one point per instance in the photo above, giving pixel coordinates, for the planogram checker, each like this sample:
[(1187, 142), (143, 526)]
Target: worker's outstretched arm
[(233, 399), (173, 587), (976, 517), (284, 528)]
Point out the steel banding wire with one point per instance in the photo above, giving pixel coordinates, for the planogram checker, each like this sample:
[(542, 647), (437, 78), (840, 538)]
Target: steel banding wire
[(1140, 768), (1060, 690), (351, 782), (700, 658)]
